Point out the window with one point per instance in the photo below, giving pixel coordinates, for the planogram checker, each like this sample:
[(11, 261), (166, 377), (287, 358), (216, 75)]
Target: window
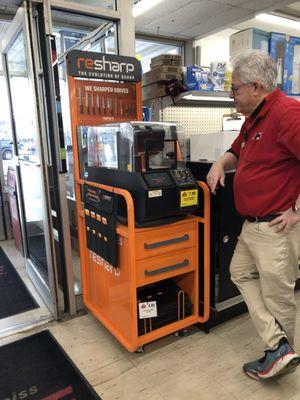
[(147, 49), (83, 32)]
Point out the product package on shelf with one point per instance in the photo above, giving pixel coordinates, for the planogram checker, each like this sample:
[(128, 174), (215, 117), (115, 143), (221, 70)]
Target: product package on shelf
[(248, 39), (279, 50), (218, 74), (285, 50), (294, 64), (197, 78), (172, 304)]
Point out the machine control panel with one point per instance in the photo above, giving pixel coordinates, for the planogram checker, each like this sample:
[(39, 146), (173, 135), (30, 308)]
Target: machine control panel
[(183, 176)]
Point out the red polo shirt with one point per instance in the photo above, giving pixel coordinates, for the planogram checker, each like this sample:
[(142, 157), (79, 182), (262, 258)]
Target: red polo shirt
[(267, 179)]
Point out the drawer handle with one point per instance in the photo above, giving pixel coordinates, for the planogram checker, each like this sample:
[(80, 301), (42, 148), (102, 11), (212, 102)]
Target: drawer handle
[(150, 246), (184, 263)]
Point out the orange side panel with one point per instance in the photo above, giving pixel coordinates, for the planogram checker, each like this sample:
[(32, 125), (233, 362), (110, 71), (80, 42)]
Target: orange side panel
[(110, 292)]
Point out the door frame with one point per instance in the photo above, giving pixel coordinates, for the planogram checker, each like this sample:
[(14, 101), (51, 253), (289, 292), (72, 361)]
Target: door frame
[(50, 293)]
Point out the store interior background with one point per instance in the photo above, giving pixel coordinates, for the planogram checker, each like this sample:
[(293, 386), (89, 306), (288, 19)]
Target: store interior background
[(199, 30)]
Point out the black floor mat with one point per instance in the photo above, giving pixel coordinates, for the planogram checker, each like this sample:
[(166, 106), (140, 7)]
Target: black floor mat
[(37, 250), (15, 297), (37, 368)]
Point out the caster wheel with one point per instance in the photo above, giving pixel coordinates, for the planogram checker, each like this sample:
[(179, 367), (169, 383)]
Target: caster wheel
[(181, 332), (140, 349)]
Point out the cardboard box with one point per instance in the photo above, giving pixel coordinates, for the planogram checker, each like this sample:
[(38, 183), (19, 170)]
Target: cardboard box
[(156, 75), (248, 39), (169, 68), (154, 90), (167, 57), (162, 62)]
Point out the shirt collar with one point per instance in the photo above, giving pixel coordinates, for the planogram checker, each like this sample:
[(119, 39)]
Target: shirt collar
[(263, 107), (258, 108)]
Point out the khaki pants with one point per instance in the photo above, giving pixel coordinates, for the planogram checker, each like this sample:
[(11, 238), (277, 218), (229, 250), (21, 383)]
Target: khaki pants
[(264, 267)]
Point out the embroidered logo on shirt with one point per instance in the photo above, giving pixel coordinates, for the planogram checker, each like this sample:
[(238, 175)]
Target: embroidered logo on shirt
[(258, 136)]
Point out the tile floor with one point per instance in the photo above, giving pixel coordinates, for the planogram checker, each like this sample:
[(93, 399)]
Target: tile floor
[(198, 366)]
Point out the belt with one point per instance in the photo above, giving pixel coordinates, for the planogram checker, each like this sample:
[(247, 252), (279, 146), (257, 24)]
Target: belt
[(266, 218)]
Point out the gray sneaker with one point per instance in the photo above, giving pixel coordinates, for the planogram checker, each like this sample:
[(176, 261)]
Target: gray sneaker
[(280, 361)]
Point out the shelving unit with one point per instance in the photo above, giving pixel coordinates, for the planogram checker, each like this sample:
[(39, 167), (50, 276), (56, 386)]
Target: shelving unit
[(203, 98), (196, 111)]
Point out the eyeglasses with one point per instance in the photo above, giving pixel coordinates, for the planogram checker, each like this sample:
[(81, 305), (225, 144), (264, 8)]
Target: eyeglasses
[(235, 88)]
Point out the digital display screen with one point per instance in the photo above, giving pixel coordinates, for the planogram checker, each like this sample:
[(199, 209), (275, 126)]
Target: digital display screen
[(158, 179)]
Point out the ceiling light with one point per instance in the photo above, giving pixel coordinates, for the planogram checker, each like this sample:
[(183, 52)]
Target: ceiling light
[(143, 6), (274, 19)]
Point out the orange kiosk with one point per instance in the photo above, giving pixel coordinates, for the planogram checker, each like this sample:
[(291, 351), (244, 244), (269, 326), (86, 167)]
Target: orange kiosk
[(139, 276)]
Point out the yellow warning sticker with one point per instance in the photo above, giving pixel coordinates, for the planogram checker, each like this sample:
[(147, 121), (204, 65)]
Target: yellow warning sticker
[(188, 198)]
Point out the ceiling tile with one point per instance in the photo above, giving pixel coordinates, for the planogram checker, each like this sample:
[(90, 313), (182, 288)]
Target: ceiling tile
[(258, 5), (295, 6), (217, 22), (163, 8), (188, 19), (234, 2), (189, 15)]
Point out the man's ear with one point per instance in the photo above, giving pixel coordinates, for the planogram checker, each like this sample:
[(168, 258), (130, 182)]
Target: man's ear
[(257, 85)]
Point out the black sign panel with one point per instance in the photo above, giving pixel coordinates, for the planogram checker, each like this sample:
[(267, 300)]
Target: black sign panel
[(87, 64)]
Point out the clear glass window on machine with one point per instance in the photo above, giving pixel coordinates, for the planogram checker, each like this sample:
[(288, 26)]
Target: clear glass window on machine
[(131, 147)]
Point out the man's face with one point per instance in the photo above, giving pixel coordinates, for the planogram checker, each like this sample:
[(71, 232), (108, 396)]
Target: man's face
[(243, 95)]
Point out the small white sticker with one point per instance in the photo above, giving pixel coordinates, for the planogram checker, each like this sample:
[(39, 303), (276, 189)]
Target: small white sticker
[(155, 193), (147, 309)]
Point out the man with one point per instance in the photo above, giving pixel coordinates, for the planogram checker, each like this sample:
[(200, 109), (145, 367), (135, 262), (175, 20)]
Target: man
[(266, 156)]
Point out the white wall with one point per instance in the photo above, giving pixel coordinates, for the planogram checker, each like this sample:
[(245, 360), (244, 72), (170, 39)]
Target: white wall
[(215, 47)]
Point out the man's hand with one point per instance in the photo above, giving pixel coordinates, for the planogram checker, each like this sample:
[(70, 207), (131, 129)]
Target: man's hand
[(215, 175), (285, 221)]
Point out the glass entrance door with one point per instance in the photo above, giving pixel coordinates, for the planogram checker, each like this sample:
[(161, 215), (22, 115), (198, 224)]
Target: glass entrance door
[(30, 158)]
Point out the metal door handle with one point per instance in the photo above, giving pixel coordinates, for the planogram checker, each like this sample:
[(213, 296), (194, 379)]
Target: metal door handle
[(184, 263), (150, 246)]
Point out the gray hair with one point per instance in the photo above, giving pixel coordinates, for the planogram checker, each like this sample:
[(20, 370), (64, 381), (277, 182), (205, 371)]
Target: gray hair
[(254, 65)]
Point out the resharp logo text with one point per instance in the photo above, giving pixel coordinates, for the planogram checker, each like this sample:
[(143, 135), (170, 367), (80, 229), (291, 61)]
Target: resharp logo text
[(105, 65)]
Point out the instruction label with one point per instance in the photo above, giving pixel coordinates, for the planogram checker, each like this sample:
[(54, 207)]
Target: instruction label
[(154, 193), (188, 198), (147, 309)]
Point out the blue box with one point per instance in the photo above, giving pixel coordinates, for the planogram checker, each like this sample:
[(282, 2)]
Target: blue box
[(280, 49), (196, 78), (293, 76)]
